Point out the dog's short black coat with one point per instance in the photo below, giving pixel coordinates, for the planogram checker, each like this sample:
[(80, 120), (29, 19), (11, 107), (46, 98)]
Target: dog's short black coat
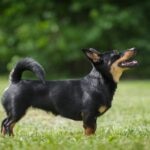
[(81, 99)]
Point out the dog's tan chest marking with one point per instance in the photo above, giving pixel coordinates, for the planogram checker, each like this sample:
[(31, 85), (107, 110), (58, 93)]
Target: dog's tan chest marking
[(116, 71), (102, 109)]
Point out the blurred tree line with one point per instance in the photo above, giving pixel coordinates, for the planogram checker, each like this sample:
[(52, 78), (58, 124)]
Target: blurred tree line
[(54, 31)]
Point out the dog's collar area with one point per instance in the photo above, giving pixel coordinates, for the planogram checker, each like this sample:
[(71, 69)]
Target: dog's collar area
[(95, 74), (97, 78)]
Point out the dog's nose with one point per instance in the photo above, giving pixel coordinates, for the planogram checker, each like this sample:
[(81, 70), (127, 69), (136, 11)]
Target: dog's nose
[(133, 49)]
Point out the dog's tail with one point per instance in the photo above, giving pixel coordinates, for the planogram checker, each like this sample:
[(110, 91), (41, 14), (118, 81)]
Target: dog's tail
[(27, 64)]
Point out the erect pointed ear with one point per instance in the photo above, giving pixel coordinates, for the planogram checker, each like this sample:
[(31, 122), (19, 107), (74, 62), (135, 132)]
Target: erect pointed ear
[(92, 54)]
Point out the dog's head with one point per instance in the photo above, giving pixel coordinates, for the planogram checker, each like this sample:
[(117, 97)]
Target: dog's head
[(112, 63)]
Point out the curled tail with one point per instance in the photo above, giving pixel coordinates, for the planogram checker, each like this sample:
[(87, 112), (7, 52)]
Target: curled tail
[(27, 64)]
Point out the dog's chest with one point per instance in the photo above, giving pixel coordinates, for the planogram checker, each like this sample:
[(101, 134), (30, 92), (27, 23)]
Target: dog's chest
[(102, 109)]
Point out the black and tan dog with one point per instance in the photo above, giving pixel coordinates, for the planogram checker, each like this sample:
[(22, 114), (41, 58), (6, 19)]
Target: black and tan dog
[(81, 99)]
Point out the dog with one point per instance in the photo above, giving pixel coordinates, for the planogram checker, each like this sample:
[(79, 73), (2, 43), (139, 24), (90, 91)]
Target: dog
[(79, 99)]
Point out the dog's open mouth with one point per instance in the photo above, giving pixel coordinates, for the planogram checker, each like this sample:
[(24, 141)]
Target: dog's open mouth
[(127, 60), (129, 63)]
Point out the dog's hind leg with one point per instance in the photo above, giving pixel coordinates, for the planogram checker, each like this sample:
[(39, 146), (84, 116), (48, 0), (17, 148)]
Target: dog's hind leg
[(7, 127), (13, 117), (9, 123), (3, 129)]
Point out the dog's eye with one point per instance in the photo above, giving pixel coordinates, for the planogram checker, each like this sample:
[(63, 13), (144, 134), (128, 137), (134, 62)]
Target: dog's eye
[(112, 56), (116, 57), (114, 53), (101, 61)]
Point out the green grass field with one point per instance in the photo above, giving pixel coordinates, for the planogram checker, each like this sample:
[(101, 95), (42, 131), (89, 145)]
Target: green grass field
[(126, 126)]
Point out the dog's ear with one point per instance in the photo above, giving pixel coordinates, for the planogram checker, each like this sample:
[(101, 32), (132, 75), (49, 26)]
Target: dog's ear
[(92, 54)]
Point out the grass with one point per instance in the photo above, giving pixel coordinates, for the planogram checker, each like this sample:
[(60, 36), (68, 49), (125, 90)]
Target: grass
[(126, 126)]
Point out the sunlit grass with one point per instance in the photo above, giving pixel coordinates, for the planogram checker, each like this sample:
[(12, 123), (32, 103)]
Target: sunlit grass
[(126, 126)]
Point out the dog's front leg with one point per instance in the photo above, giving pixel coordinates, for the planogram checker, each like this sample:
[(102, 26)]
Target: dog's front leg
[(89, 123)]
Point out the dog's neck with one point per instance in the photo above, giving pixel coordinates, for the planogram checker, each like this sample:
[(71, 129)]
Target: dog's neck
[(104, 79), (96, 75)]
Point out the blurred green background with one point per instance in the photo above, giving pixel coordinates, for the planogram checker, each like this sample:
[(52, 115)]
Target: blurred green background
[(54, 31)]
